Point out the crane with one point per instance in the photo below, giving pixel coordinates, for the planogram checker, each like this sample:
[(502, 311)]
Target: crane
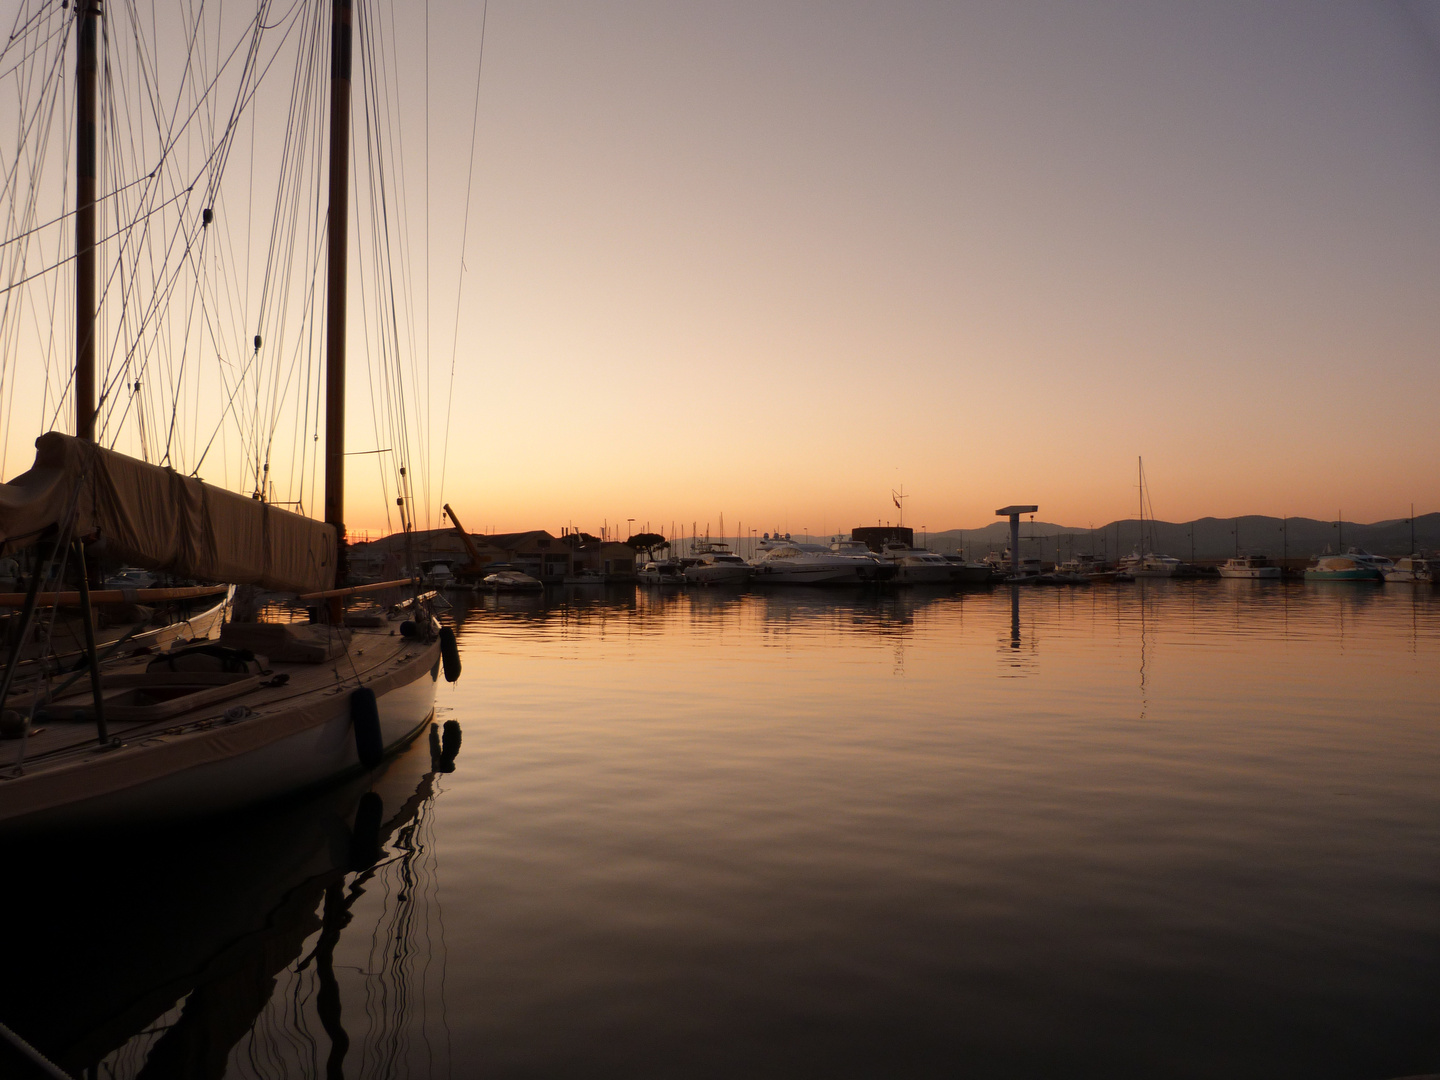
[(475, 564)]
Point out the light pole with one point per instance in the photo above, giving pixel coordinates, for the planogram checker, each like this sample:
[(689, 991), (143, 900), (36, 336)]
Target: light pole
[(629, 527)]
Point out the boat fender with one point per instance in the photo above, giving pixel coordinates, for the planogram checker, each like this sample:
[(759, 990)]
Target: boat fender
[(365, 718), (407, 628), (365, 837), (450, 654)]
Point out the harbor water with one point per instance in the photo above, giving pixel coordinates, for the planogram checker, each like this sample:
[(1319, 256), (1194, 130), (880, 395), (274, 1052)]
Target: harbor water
[(1171, 828)]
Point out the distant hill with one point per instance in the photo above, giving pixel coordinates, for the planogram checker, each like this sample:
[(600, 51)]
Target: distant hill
[(1206, 539)]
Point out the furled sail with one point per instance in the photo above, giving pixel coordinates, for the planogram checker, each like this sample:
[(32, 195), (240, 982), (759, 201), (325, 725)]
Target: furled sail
[(154, 517)]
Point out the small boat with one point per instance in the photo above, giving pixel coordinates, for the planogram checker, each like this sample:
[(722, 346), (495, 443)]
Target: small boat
[(661, 572), (1088, 567), (715, 564), (1026, 572), (585, 577), (1149, 565), (511, 581), (1060, 576), (1250, 566), (1414, 570), (130, 577), (1355, 565)]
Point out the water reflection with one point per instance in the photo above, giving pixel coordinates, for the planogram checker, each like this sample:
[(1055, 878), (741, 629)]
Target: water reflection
[(184, 954), (790, 833)]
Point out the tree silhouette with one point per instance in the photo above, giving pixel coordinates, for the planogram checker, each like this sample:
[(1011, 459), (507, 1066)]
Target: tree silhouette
[(648, 542)]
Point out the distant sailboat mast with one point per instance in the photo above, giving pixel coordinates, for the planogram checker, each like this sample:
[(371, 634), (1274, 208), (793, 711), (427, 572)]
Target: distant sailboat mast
[(1140, 473)]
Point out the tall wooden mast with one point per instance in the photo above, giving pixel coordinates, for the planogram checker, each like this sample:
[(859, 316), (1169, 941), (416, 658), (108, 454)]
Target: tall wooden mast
[(337, 249), (86, 80)]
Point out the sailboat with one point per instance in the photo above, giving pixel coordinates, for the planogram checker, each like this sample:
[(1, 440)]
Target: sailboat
[(1143, 563), (272, 707)]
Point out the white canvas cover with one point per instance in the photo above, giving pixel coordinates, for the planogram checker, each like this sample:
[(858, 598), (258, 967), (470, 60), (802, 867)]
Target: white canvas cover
[(154, 517)]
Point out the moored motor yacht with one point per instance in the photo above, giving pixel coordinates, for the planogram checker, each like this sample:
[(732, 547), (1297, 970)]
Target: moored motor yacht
[(509, 581), (1249, 566), (970, 573), (791, 563), (715, 564), (661, 572), (1026, 571), (1413, 569), (869, 566), (1355, 565), (1087, 567), (916, 566), (1149, 565)]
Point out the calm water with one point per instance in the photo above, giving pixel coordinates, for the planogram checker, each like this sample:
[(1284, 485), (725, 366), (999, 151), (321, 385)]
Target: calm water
[(1167, 829)]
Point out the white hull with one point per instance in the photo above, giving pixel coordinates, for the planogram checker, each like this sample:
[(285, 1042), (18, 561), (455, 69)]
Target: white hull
[(1409, 577), (808, 575), (298, 744), (1253, 572), (717, 574)]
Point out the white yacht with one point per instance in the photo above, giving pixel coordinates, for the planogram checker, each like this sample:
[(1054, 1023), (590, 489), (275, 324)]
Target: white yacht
[(1149, 565), (1085, 567), (510, 581), (1249, 566), (915, 566), (661, 572), (716, 564), (787, 562), (869, 566), (1414, 569), (1355, 565)]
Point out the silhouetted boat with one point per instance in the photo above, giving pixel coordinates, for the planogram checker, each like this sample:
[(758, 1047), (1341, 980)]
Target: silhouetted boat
[(272, 708)]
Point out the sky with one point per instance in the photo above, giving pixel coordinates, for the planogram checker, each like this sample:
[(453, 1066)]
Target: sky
[(777, 260)]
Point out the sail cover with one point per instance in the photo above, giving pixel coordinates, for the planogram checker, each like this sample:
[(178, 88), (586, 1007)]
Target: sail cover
[(153, 517)]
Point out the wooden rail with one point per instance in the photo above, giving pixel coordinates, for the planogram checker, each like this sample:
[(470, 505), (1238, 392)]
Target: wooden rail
[(114, 596)]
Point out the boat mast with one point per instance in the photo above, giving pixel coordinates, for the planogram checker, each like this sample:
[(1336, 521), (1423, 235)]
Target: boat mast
[(87, 81), (337, 247), (1140, 473)]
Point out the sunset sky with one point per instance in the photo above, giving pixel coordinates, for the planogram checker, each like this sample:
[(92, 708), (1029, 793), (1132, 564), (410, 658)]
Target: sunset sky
[(774, 260)]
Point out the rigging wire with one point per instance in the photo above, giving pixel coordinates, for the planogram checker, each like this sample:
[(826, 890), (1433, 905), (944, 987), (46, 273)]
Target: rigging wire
[(464, 232)]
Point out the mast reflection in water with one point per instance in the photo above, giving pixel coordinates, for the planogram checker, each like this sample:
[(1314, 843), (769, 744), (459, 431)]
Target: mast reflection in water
[(306, 940)]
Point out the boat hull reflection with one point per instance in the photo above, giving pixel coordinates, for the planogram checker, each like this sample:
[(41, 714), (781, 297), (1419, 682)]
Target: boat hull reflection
[(123, 932)]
